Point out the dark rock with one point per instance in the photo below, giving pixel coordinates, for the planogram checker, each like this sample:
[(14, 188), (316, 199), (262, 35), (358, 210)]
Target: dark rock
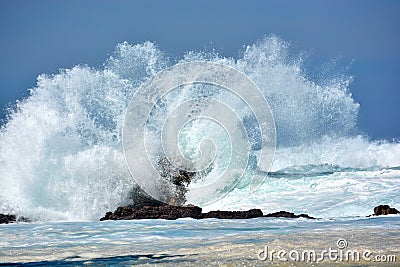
[(170, 212), (281, 214), (384, 210), (285, 214), (179, 178), (253, 213), (305, 216), (7, 219), (141, 199), (145, 207), (167, 212), (174, 180)]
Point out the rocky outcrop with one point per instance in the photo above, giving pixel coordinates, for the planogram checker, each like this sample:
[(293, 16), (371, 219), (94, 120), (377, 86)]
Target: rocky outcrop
[(144, 206), (170, 212), (140, 199), (249, 214), (179, 178), (384, 210), (167, 212), (6, 218), (285, 214)]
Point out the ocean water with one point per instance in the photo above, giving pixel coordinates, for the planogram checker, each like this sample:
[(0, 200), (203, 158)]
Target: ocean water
[(62, 161), (190, 242)]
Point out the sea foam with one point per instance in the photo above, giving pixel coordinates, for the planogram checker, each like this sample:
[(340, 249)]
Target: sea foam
[(61, 154)]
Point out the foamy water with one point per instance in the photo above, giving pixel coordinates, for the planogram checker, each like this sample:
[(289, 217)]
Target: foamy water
[(192, 242), (61, 155)]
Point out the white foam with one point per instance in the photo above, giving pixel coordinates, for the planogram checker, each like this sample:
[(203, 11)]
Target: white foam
[(61, 153)]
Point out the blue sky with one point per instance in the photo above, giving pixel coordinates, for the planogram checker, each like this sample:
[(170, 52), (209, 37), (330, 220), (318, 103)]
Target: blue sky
[(42, 36)]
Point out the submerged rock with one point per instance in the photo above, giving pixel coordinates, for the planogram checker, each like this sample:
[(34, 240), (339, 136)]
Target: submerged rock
[(384, 210)]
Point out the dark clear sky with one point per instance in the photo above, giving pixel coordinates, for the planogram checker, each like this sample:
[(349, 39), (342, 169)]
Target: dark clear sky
[(42, 36)]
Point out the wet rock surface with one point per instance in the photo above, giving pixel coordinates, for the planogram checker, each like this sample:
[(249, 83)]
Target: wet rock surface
[(170, 212), (167, 212), (144, 206), (384, 210), (285, 214), (253, 213), (140, 199), (6, 219)]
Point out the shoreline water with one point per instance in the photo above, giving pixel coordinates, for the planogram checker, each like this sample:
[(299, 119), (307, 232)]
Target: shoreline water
[(193, 242)]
